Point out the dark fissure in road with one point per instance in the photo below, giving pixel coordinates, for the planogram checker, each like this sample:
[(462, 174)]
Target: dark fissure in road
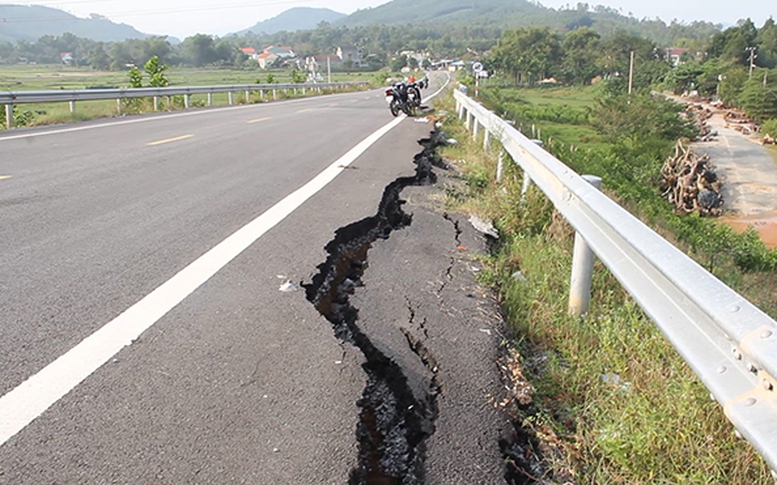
[(394, 423)]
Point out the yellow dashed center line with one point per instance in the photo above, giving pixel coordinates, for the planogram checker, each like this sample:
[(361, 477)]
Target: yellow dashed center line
[(169, 140), (258, 120), (3, 177), (305, 110)]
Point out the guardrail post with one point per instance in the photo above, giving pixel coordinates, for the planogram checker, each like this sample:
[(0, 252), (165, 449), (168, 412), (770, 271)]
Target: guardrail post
[(186, 100), (500, 166), (274, 94), (475, 129), (248, 96), (231, 98), (582, 268), (156, 103), (304, 91), (210, 99), (525, 186), (72, 106), (470, 118), (9, 116), (261, 94), (486, 138)]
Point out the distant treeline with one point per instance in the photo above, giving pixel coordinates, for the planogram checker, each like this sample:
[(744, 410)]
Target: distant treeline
[(737, 64), (378, 43)]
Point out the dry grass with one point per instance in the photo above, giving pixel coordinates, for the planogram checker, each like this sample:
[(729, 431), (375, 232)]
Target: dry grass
[(626, 408)]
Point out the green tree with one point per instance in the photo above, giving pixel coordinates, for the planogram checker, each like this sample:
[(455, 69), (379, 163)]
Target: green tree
[(527, 54), (759, 101), (98, 58), (398, 63), (580, 49), (156, 73), (225, 51), (732, 81), (155, 46), (616, 52), (297, 77), (767, 44), (199, 50), (120, 55), (633, 120), (684, 77), (731, 44), (135, 77)]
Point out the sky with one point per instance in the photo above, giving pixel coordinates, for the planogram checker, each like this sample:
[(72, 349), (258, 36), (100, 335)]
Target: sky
[(183, 18)]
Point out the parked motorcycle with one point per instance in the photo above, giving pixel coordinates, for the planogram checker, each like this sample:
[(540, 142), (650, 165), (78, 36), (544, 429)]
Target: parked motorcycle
[(414, 94), (401, 98)]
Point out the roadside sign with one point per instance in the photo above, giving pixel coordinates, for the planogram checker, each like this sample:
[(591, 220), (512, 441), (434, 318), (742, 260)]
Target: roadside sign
[(477, 67)]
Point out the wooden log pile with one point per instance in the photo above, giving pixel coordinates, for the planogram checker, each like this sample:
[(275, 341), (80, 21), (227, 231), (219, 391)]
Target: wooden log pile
[(691, 184), (768, 140), (740, 122), (700, 114)]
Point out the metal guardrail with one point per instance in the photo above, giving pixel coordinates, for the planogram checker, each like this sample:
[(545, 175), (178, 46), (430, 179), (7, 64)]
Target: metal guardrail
[(11, 98), (728, 342)]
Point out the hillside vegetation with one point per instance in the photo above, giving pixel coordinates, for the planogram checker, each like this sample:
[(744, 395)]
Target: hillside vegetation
[(507, 14), (22, 22), (297, 18)]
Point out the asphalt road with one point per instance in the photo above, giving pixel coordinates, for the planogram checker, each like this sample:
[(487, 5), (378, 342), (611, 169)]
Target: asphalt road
[(154, 328), (167, 226), (749, 171)]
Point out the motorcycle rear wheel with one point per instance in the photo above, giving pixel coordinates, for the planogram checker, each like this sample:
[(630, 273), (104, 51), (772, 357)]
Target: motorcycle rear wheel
[(414, 96), (394, 108)]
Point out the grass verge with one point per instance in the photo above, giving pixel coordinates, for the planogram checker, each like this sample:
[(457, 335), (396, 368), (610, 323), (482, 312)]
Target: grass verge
[(48, 77), (622, 403)]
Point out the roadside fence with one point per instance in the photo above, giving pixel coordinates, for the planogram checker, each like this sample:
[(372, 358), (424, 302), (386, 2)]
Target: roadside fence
[(727, 341), (12, 98)]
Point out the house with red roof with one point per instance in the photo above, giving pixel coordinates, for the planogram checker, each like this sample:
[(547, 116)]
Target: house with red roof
[(249, 51)]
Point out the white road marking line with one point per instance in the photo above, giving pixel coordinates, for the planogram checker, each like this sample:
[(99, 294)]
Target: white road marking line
[(259, 120), (4, 177), (33, 397), (156, 118)]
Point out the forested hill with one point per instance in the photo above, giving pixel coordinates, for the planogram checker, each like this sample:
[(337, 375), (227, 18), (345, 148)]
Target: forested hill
[(473, 12), (22, 22), (297, 18), (510, 14)]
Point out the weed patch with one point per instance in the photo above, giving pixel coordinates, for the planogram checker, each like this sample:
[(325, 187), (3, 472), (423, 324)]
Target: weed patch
[(625, 407)]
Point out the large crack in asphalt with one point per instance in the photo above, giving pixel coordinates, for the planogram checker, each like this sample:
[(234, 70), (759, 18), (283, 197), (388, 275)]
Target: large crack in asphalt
[(394, 423)]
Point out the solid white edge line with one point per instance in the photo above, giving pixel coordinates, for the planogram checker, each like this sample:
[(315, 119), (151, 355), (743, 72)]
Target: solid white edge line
[(150, 117), (33, 397)]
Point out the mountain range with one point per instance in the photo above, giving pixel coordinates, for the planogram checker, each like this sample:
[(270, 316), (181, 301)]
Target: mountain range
[(450, 11), (31, 22), (23, 22), (297, 18)]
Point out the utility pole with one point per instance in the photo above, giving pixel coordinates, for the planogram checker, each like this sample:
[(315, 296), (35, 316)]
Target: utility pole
[(753, 55), (631, 72)]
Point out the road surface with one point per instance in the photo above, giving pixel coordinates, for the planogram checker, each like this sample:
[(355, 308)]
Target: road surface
[(749, 175), (155, 328)]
